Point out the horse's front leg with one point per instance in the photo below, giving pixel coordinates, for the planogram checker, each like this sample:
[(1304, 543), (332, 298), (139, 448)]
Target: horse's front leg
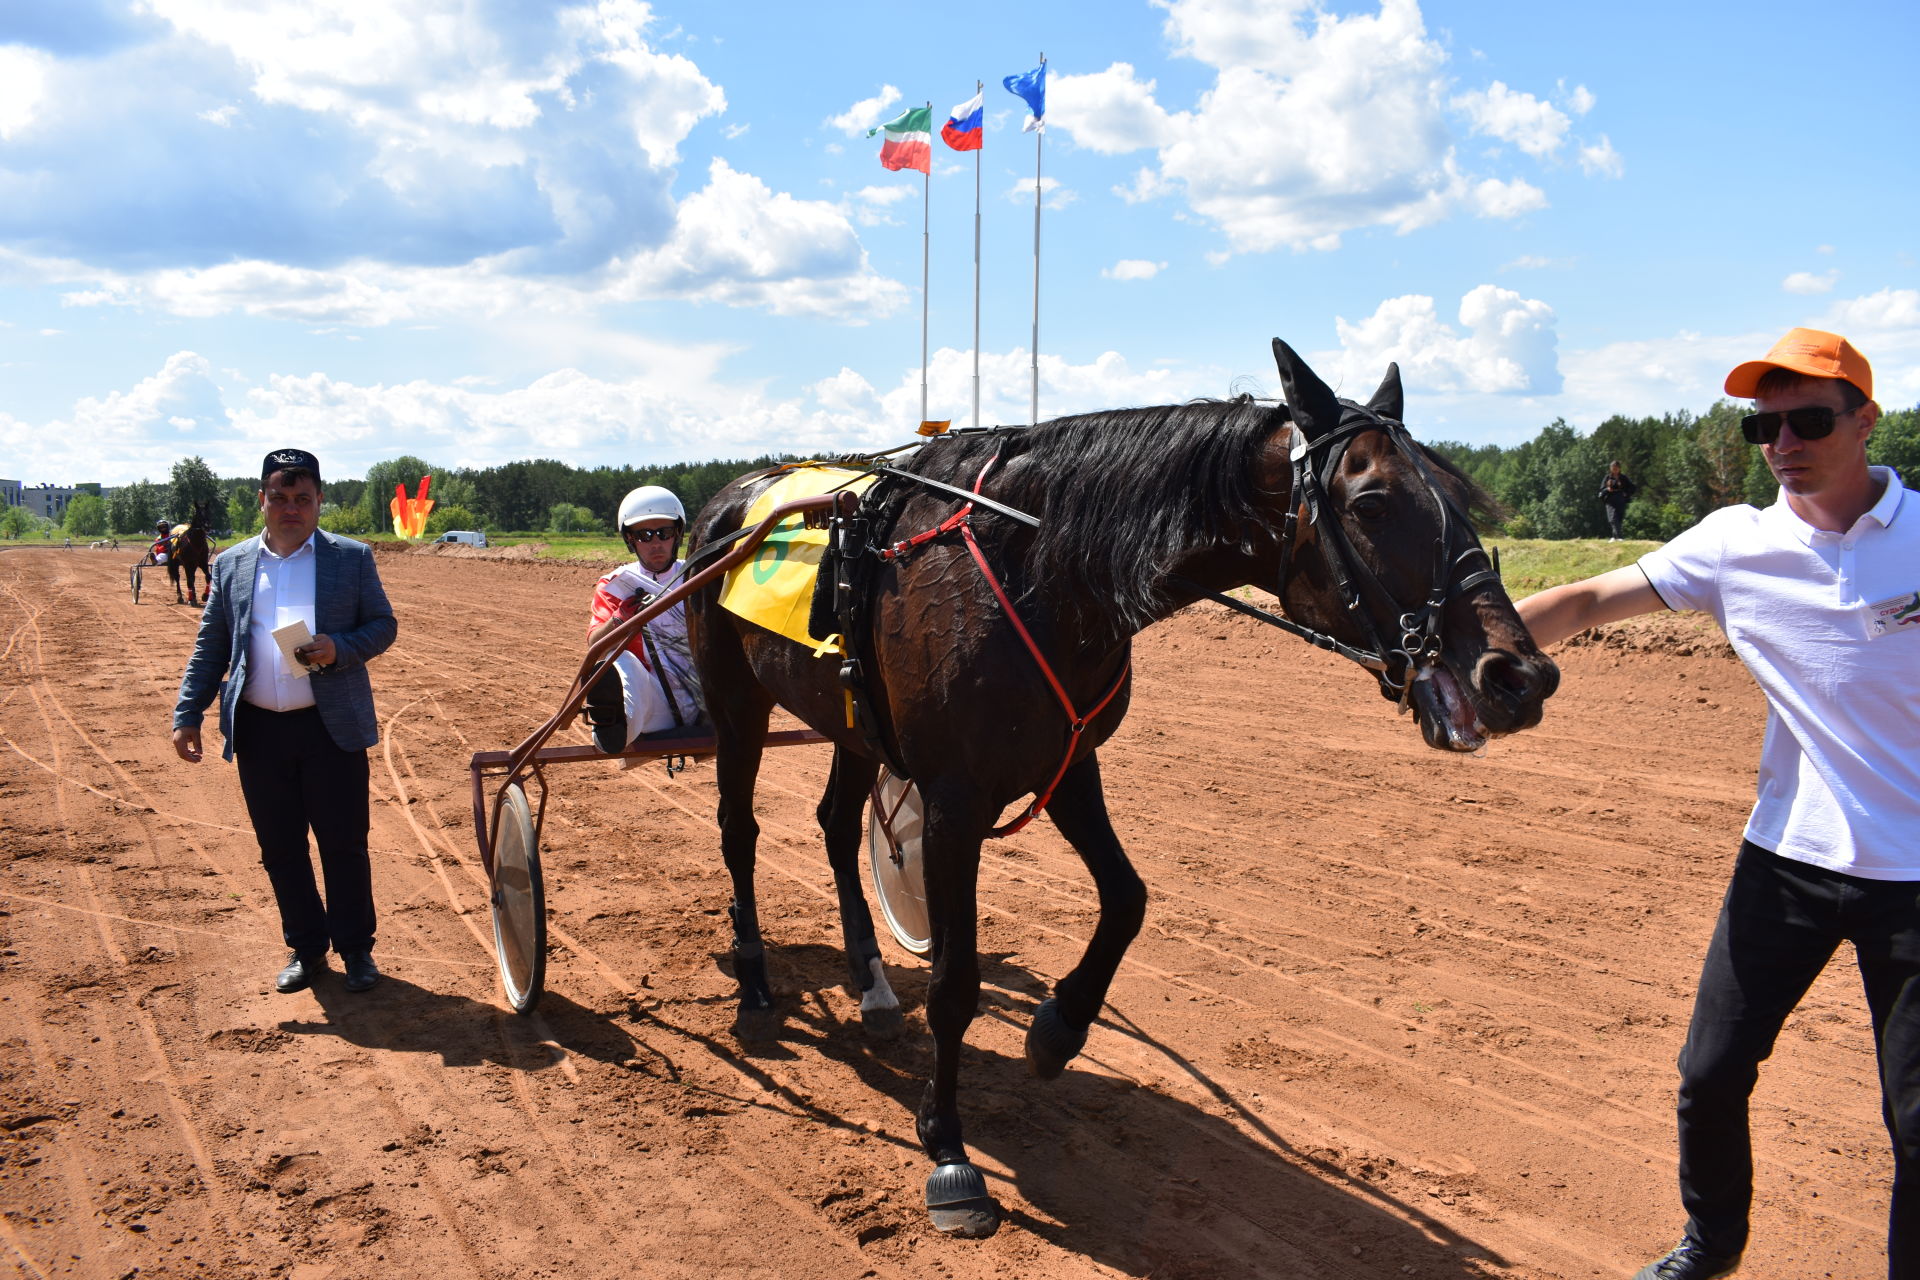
[(740, 724), (1079, 810), (840, 812), (958, 1202)]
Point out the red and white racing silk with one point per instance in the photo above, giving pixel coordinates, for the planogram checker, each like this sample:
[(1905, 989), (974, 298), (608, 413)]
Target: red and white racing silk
[(663, 682), (161, 547)]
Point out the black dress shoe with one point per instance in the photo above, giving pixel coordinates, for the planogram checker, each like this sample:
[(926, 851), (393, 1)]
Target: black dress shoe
[(299, 973), (362, 973), (1689, 1260)]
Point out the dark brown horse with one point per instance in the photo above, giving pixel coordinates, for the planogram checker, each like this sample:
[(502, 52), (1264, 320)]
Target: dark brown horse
[(1361, 532), (193, 554)]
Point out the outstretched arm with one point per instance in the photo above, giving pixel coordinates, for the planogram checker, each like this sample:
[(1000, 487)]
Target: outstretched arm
[(1559, 612)]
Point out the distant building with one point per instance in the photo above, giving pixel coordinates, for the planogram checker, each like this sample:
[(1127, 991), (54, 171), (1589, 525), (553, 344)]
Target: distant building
[(48, 501)]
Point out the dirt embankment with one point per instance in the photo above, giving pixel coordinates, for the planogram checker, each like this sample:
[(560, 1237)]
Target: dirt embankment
[(1393, 1013)]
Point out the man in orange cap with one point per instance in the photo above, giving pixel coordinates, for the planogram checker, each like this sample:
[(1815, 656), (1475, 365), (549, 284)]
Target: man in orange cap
[(1813, 593)]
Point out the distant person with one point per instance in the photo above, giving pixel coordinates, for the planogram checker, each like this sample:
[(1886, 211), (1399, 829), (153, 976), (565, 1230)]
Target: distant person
[(652, 689), (1616, 491), (1812, 594), (299, 722)]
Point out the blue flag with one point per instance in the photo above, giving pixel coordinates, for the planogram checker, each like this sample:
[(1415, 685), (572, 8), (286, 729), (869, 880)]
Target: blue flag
[(1032, 87)]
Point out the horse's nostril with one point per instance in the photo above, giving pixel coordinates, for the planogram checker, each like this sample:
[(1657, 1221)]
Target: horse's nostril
[(1514, 676)]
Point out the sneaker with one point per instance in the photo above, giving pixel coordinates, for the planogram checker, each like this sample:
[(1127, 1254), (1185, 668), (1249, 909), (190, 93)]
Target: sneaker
[(606, 711), (1688, 1261)]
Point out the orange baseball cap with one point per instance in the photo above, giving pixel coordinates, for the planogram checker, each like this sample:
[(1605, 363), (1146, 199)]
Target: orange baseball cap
[(1814, 352)]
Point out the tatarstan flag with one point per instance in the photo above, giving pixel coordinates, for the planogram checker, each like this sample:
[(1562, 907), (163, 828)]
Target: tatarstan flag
[(909, 141)]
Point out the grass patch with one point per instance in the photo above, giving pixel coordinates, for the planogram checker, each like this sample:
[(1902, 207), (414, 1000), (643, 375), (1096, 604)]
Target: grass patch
[(1529, 565)]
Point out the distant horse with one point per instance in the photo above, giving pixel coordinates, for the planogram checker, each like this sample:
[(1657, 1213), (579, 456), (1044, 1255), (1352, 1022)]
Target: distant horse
[(192, 553), (998, 660)]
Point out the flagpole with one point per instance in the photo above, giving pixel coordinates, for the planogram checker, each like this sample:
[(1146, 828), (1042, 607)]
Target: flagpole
[(1039, 137), (978, 88), (926, 201)]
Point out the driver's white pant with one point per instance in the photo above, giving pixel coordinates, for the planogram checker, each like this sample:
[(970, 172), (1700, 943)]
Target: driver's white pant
[(646, 704)]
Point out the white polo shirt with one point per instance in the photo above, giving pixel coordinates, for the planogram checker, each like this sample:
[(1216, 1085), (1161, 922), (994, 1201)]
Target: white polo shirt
[(1829, 625), (283, 592)]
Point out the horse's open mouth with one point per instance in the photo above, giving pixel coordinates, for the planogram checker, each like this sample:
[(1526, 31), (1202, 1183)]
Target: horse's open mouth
[(1447, 718)]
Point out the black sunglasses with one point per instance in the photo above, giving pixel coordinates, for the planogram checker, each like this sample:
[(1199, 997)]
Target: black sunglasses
[(1815, 422), (669, 534)]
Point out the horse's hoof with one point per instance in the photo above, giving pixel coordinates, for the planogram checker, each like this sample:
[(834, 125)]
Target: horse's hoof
[(1051, 1042), (958, 1203), (883, 1024), (756, 1026)]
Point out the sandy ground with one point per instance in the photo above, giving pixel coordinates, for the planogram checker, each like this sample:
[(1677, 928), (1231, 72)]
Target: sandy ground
[(1393, 1013)]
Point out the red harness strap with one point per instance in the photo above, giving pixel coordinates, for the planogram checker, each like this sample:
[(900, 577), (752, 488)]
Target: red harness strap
[(1077, 722)]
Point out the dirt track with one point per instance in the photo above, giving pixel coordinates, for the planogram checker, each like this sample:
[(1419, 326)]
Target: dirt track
[(1393, 1013)]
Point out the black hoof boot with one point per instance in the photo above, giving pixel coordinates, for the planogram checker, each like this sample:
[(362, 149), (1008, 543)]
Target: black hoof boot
[(1051, 1042), (958, 1203)]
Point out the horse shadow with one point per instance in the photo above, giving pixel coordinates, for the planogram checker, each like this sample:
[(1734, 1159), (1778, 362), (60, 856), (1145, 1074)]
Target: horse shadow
[(1122, 1173), (399, 1016)]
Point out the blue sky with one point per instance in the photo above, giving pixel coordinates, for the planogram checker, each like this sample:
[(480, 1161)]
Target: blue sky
[(619, 232)]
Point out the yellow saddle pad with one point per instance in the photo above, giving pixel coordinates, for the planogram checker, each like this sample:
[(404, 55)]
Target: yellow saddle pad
[(774, 589)]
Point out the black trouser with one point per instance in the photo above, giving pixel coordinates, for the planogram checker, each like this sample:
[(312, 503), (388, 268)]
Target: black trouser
[(294, 777), (1781, 922), (1615, 516)]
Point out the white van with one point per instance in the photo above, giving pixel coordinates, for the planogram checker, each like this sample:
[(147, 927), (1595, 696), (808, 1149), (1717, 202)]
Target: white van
[(465, 537)]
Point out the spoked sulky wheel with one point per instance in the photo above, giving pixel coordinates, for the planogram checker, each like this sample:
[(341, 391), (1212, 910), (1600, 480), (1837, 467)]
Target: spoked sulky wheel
[(893, 851), (133, 577), (519, 903)]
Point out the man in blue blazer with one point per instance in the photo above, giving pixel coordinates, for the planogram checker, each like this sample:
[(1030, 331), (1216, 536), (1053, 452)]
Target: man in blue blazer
[(297, 720)]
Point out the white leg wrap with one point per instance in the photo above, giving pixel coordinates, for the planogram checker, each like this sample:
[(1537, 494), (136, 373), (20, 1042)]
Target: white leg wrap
[(879, 995)]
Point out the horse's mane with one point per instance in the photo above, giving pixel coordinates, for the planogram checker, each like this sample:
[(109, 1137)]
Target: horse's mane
[(1124, 494)]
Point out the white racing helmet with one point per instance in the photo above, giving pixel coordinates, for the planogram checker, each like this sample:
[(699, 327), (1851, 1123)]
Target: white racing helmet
[(650, 502)]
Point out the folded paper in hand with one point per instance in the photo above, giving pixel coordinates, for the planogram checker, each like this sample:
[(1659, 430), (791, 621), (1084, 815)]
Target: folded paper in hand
[(291, 637)]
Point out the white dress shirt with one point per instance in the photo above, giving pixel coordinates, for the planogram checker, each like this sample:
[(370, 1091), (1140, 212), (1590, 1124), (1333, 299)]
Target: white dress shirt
[(283, 592)]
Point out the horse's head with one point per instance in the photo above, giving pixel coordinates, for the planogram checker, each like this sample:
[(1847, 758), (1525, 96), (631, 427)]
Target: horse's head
[(1382, 556)]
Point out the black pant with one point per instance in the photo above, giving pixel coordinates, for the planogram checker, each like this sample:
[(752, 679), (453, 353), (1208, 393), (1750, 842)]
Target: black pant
[(1781, 922), (1615, 515), (294, 777)]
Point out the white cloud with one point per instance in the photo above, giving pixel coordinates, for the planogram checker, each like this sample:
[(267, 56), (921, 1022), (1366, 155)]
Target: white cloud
[(733, 131), (1534, 262), (1109, 111), (1316, 124), (1578, 99), (1133, 269), (1536, 127), (1808, 282), (664, 411), (23, 83), (1052, 194), (734, 242), (1497, 199), (1508, 347), (222, 116), (1599, 159), (866, 113)]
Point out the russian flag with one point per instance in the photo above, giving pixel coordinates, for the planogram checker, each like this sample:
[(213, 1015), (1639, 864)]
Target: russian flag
[(962, 130)]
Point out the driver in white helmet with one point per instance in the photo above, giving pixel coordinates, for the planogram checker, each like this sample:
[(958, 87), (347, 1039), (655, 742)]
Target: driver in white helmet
[(652, 690)]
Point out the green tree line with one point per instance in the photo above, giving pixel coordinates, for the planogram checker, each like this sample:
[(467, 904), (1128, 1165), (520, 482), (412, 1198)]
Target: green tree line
[(1683, 466)]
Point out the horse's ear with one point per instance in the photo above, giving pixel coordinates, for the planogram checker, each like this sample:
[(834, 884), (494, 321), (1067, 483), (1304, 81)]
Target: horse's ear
[(1311, 401), (1389, 401)]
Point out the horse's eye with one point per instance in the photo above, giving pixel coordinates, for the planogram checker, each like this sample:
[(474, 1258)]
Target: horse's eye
[(1370, 507)]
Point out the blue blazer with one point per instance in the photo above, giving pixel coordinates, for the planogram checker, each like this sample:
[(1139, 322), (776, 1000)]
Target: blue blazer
[(349, 605)]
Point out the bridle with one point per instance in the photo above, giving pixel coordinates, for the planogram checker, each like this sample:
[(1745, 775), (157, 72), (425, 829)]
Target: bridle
[(1315, 461)]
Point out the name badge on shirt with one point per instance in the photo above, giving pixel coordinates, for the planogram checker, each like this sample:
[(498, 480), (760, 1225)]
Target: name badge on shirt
[(1887, 617)]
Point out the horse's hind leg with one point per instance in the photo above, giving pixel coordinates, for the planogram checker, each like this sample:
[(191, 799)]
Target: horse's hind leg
[(740, 729), (1079, 810), (958, 1201), (840, 812)]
